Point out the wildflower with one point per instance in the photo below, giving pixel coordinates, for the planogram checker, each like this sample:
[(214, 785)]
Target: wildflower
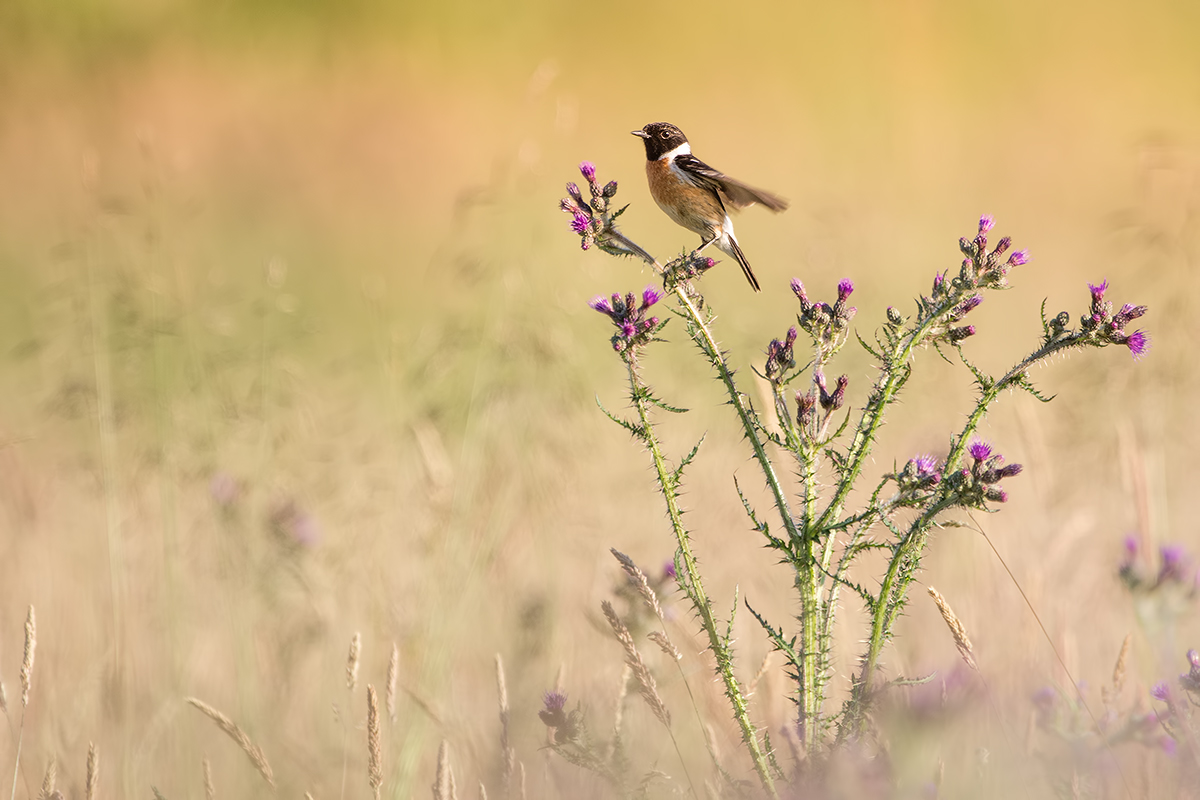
[(979, 450), (610, 189), (634, 327), (579, 223), (669, 570), (588, 170), (1098, 291), (1138, 343), (1019, 258), (845, 289), (1161, 691), (986, 222), (1173, 564), (552, 713)]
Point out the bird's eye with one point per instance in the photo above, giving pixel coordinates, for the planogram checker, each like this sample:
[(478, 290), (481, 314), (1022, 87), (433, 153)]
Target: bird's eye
[(665, 134)]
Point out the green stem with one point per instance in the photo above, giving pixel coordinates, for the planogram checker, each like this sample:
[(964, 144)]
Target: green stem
[(690, 580), (892, 591)]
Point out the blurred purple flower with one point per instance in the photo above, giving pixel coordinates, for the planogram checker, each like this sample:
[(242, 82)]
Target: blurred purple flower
[(1019, 258), (986, 222), (602, 304), (1161, 691), (845, 289), (980, 450), (588, 170), (1138, 343), (224, 489), (579, 223), (669, 570)]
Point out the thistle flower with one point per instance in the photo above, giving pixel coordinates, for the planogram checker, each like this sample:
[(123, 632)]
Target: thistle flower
[(986, 222), (1138, 343), (634, 327), (980, 450), (588, 170), (1019, 258)]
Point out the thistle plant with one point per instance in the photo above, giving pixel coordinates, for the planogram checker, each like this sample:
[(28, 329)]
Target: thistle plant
[(828, 437)]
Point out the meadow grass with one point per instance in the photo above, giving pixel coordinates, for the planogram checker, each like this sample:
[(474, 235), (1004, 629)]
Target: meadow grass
[(291, 351)]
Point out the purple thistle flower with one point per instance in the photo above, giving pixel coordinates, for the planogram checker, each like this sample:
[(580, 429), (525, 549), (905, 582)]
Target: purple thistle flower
[(650, 296), (965, 332), (573, 190), (1098, 291), (1193, 658), (1003, 245), (1161, 691), (937, 281), (979, 450), (588, 170), (1138, 343), (579, 223), (628, 330), (845, 289), (601, 304), (554, 701), (967, 306), (986, 222), (996, 495), (610, 189), (1009, 471), (924, 464), (1018, 258), (1174, 562), (669, 570)]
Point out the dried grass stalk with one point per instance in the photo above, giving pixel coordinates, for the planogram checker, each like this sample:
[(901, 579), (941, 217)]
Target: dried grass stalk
[(443, 784), (482, 791), (352, 662), (507, 754), (392, 676), (758, 676), (1119, 667), (640, 582), (210, 788), (523, 795), (3, 699), (619, 714), (27, 661), (649, 690), (252, 751), (374, 749), (957, 629), (665, 644), (49, 779), (92, 783)]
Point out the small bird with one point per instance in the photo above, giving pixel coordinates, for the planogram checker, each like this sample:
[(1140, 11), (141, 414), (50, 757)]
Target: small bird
[(695, 195)]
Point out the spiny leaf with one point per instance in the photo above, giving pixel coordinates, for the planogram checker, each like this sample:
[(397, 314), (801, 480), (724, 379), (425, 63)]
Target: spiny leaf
[(788, 648), (636, 430), (1024, 383)]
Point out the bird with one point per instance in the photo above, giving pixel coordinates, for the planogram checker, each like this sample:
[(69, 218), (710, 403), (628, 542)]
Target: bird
[(695, 195)]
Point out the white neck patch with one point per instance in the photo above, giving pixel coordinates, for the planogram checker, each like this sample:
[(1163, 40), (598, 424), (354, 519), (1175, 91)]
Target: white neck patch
[(684, 149)]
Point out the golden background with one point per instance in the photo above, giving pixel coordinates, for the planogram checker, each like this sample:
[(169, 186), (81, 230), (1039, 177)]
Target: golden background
[(294, 343)]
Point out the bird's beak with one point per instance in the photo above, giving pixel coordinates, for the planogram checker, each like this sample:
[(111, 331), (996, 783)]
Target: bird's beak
[(642, 134)]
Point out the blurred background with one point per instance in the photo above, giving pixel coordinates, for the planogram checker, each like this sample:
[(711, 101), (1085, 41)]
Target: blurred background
[(294, 344)]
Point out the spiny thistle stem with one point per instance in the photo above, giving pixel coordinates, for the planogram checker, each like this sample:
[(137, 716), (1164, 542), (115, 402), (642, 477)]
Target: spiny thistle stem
[(689, 579)]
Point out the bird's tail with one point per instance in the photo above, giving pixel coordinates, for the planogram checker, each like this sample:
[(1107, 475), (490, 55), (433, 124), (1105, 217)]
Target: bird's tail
[(736, 251)]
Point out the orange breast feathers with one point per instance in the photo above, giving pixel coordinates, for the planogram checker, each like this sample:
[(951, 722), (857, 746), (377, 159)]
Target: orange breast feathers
[(690, 206)]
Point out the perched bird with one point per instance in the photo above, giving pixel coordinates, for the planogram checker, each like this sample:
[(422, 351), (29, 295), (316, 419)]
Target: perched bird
[(695, 195)]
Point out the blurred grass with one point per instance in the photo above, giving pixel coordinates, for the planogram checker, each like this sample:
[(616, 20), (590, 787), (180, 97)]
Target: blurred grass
[(314, 246)]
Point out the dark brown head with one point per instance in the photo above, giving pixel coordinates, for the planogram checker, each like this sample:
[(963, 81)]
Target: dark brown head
[(660, 138)]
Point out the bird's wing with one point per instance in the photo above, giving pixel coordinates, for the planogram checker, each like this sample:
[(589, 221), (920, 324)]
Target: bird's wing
[(733, 192)]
